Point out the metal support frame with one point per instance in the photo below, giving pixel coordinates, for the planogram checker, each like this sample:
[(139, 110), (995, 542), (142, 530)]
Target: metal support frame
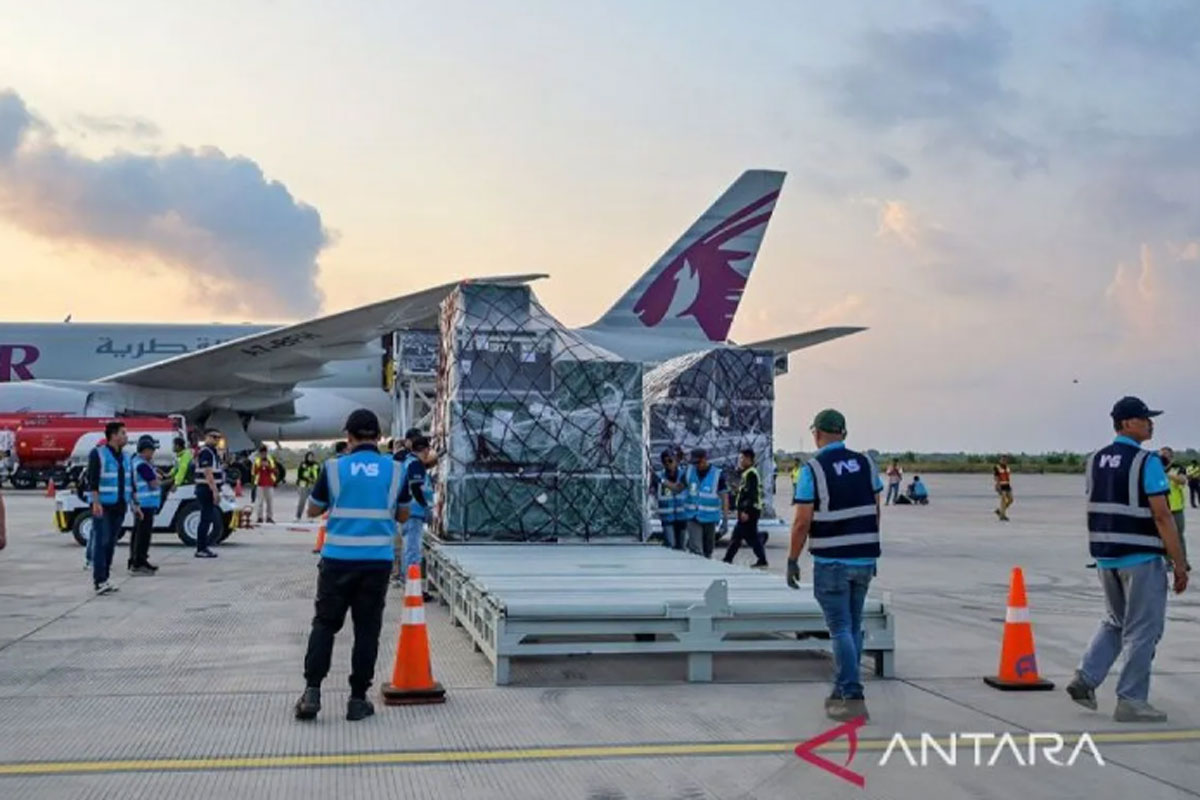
[(698, 630)]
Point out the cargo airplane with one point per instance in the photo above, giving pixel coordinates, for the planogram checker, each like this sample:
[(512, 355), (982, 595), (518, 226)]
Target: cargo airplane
[(299, 381)]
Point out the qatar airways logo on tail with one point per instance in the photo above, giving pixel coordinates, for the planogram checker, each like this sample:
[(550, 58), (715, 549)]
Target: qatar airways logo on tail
[(15, 360), (704, 263)]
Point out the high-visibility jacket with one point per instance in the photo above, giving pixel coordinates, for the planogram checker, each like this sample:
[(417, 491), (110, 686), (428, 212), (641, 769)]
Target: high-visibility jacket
[(704, 498), (756, 501), (845, 521), (1119, 519), (183, 463), (306, 474), (364, 488), (1175, 491), (147, 496), (264, 467), (109, 481), (672, 505)]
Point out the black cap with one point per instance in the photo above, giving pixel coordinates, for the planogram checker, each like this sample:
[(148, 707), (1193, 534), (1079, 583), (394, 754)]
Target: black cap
[(412, 433), (699, 453), (1132, 408), (147, 442), (668, 453), (363, 424)]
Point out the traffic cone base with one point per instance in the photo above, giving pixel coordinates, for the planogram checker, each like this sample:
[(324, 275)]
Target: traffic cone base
[(1018, 670), (412, 697)]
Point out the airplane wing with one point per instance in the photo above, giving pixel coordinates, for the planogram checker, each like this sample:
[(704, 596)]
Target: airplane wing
[(783, 345), (281, 357)]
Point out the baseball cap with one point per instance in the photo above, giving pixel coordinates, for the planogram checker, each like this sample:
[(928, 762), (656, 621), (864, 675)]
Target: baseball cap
[(412, 433), (1132, 408), (363, 423), (829, 421), (145, 441), (699, 452)]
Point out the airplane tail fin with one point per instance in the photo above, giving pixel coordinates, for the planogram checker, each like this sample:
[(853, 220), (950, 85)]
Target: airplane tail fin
[(693, 291)]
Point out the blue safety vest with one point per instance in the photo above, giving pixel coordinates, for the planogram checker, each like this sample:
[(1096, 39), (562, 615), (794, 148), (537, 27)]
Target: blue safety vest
[(415, 509), (363, 491), (147, 496), (1119, 519), (704, 501), (110, 477), (845, 521), (672, 506)]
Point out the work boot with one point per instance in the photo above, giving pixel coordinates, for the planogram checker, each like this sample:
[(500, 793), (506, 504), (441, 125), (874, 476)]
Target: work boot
[(856, 707), (1137, 711), (150, 566), (205, 554), (309, 703), (142, 569), (1082, 693), (835, 706), (759, 565), (359, 708)]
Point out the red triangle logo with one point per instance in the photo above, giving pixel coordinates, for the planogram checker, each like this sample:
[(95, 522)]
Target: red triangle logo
[(806, 750)]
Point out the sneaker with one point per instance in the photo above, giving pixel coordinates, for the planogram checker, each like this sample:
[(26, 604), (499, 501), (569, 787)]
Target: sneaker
[(359, 708), (270, 521), (150, 567), (105, 588), (832, 701), (142, 569), (309, 703), (759, 565), (1082, 693), (1137, 711), (856, 707), (205, 554)]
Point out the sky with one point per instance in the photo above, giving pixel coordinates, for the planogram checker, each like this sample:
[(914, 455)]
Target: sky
[(1007, 195)]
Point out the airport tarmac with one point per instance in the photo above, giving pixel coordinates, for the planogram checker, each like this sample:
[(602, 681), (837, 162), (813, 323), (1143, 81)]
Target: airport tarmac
[(182, 684)]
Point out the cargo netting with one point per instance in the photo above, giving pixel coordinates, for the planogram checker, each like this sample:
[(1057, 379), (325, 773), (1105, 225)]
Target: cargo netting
[(721, 400), (540, 432)]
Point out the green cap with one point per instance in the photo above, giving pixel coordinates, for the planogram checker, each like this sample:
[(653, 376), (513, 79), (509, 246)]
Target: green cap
[(829, 421)]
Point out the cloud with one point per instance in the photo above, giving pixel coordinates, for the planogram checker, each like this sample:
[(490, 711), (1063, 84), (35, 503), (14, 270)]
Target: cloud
[(1155, 29), (944, 77), (892, 169), (245, 241), (1134, 294), (117, 125)]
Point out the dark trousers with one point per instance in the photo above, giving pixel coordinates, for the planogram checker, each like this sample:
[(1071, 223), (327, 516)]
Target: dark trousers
[(208, 514), (747, 533), (363, 592), (139, 544), (106, 529), (1194, 486)]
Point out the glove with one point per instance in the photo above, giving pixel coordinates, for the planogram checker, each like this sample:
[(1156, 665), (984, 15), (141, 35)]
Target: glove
[(793, 573)]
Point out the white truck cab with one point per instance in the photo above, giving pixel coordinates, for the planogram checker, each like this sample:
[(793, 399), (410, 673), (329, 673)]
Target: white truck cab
[(180, 514)]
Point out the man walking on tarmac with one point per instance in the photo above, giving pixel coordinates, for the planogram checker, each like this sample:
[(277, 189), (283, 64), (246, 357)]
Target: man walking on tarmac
[(415, 495), (748, 505), (148, 497), (263, 474), (110, 483), (306, 476), (837, 511), (1002, 476), (211, 473), (708, 498), (1130, 529), (361, 492)]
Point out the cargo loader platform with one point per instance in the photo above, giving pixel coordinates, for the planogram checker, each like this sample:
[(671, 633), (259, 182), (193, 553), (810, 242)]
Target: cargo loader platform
[(538, 600)]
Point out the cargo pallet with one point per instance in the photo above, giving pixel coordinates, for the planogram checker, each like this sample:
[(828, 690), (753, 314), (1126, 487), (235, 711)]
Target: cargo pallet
[(536, 600)]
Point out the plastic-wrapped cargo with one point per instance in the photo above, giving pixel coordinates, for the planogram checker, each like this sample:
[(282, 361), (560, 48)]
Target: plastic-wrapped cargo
[(541, 433), (722, 400)]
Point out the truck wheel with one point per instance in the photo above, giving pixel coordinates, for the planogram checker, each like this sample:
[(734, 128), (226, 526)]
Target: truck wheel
[(22, 479), (81, 529), (187, 522)]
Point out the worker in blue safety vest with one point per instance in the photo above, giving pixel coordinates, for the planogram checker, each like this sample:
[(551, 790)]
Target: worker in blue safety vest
[(707, 503), (110, 481), (147, 494), (671, 491), (1130, 530), (417, 494), (361, 492), (837, 512)]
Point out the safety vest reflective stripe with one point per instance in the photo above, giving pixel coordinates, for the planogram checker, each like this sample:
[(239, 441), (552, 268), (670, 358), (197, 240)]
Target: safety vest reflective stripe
[(147, 496), (758, 500), (672, 506), (110, 474), (844, 513), (704, 501), (359, 513), (819, 543), (1140, 539), (343, 540), (1120, 509)]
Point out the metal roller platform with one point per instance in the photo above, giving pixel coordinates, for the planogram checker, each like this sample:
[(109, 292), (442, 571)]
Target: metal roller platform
[(521, 600)]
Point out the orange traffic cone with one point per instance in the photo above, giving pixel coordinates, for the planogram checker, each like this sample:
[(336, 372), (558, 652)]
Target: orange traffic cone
[(321, 535), (412, 677), (1018, 660), (50, 489)]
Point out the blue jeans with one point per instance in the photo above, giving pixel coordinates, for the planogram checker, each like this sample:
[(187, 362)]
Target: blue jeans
[(841, 591), (1135, 601), (892, 493), (414, 529), (103, 542)]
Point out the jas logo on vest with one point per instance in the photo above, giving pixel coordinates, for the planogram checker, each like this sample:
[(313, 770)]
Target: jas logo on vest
[(1110, 461), (850, 465), (988, 749), (370, 470)]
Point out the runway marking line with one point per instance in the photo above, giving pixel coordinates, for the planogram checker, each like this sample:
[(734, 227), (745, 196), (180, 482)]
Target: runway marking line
[(564, 753)]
